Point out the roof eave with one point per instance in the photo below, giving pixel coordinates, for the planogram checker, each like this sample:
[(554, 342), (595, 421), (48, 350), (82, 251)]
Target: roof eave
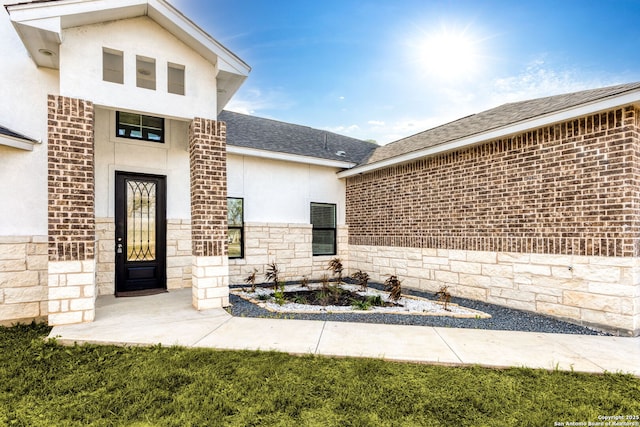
[(287, 157), (40, 26), (20, 143), (511, 129)]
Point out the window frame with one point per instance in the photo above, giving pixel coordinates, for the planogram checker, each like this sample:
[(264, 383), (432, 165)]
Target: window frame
[(334, 229), (163, 130), (176, 86), (144, 65), (235, 227), (110, 57)]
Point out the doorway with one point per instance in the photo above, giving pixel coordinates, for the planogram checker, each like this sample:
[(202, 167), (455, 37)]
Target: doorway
[(141, 244)]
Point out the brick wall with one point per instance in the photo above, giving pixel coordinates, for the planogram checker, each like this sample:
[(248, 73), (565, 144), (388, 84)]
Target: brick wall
[(71, 179), (569, 188), (208, 162)]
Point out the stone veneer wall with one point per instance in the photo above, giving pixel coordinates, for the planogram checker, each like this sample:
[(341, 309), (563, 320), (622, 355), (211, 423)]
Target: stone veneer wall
[(71, 190), (593, 291), (571, 189), (23, 278), (208, 171), (289, 245), (179, 258)]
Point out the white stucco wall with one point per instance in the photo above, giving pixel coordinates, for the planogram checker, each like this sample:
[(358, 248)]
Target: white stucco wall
[(120, 154), (281, 192), (23, 174), (81, 65)]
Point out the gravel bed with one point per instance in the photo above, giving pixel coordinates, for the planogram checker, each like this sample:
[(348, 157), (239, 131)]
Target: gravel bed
[(502, 318)]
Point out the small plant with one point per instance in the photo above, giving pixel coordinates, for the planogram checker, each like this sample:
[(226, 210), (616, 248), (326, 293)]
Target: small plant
[(362, 279), (251, 279), (300, 299), (444, 296), (325, 282), (334, 292), (272, 274), (375, 300), (323, 297), (335, 265), (264, 297), (360, 304), (278, 295), (393, 285)]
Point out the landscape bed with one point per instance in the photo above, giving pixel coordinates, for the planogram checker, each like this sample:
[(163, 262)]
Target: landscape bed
[(502, 318), (347, 298)]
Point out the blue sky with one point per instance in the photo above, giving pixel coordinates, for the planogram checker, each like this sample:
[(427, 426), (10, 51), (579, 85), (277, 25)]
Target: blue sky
[(384, 70)]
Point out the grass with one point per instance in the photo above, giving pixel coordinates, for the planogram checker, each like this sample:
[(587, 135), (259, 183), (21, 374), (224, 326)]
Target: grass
[(45, 384)]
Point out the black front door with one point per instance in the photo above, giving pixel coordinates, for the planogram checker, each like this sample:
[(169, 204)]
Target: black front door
[(140, 233)]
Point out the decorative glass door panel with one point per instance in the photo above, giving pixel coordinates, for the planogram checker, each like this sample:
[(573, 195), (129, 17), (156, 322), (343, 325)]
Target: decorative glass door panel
[(141, 220)]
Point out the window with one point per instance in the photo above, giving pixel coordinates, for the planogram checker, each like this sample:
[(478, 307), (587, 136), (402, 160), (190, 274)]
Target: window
[(323, 220), (137, 126), (175, 76), (235, 216), (112, 66), (145, 72)]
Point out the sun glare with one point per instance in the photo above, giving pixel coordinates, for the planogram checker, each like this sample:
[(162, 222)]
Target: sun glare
[(448, 54)]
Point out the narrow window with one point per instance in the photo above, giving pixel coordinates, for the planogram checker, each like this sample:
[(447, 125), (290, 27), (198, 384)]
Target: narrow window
[(323, 220), (145, 72), (175, 75), (112, 66), (138, 126), (235, 215)]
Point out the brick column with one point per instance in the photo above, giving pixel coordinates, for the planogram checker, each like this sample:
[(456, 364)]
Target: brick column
[(71, 268), (208, 166)]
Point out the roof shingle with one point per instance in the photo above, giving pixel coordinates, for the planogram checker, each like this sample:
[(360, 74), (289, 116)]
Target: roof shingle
[(271, 135), (503, 115)]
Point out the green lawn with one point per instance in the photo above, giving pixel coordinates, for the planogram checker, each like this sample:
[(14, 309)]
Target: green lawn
[(44, 384)]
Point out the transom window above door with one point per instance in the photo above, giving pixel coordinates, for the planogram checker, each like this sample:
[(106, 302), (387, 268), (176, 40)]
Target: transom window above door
[(140, 127)]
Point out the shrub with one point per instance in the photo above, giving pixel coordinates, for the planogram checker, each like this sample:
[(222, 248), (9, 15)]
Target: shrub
[(251, 280), (335, 265), (362, 279), (272, 274), (444, 296), (393, 285)]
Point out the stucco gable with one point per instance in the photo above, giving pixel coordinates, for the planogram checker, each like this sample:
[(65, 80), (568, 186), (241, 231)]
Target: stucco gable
[(40, 25)]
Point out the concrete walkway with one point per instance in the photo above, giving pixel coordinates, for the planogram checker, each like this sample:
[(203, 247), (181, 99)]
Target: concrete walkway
[(169, 319)]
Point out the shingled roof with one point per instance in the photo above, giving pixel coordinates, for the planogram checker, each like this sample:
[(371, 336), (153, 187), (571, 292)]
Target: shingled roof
[(504, 115), (271, 135)]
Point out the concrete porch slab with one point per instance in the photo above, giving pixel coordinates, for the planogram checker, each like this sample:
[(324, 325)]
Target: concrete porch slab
[(169, 319), (297, 337), (392, 342)]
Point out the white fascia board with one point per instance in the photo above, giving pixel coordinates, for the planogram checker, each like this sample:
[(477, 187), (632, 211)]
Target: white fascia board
[(286, 157), (41, 10), (513, 129), (19, 143), (194, 36)]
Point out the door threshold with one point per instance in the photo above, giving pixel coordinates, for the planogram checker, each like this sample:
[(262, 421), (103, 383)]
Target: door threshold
[(141, 293)]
